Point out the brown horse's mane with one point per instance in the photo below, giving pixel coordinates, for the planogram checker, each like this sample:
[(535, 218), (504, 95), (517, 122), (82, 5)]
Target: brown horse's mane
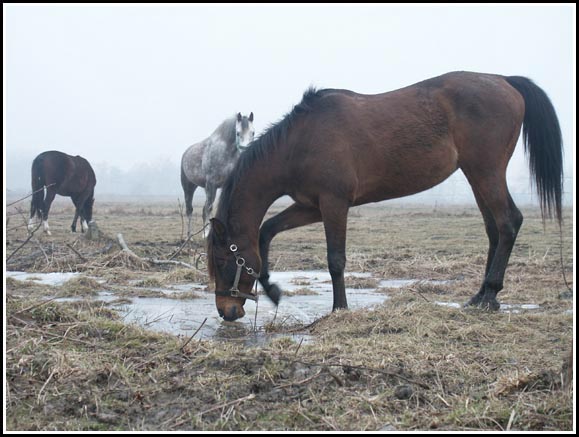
[(265, 144)]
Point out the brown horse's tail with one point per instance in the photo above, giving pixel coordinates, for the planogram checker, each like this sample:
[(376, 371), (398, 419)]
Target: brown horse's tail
[(543, 144), (37, 188)]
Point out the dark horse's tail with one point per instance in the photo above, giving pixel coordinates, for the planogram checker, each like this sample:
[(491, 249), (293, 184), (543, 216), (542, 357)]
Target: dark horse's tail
[(37, 205), (543, 144)]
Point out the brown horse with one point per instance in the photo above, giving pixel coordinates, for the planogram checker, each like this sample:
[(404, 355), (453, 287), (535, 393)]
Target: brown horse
[(65, 175), (337, 149)]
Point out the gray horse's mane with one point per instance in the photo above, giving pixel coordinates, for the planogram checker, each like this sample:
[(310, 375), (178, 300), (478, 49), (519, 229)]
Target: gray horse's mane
[(226, 130)]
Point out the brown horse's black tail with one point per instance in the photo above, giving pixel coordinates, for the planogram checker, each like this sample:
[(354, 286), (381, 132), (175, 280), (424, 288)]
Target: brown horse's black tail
[(543, 144), (37, 205)]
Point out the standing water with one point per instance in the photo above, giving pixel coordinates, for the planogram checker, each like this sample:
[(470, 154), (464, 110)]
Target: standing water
[(307, 296)]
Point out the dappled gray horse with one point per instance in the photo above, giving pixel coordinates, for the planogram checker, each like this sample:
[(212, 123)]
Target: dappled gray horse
[(208, 163)]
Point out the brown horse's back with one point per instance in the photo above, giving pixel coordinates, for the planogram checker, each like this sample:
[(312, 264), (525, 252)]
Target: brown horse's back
[(405, 141)]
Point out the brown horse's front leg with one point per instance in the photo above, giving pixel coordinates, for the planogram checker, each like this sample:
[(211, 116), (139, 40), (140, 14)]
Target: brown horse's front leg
[(266, 234), (292, 217), (335, 218)]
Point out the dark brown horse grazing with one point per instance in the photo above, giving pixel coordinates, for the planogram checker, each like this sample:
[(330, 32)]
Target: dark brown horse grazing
[(65, 175), (337, 149)]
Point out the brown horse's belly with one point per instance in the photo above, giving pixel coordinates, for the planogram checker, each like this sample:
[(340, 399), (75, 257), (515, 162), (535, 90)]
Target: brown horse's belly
[(396, 178)]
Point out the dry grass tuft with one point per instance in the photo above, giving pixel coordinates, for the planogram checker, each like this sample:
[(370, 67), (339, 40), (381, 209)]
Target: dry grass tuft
[(185, 275), (125, 260), (149, 282), (303, 291), (80, 286)]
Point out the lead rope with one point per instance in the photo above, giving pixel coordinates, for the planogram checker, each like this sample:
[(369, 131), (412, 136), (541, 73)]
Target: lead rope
[(256, 308), (561, 257)]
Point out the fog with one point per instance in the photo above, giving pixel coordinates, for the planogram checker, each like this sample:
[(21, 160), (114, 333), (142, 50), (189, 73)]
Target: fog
[(131, 87)]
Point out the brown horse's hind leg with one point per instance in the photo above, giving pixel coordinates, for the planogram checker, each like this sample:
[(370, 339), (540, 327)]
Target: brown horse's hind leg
[(503, 219), (50, 195), (290, 218), (491, 230)]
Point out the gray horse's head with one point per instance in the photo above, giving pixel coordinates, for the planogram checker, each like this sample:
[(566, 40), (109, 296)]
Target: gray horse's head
[(244, 131)]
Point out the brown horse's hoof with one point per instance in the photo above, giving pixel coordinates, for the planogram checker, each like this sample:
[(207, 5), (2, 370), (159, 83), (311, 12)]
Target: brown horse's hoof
[(484, 303), (274, 293)]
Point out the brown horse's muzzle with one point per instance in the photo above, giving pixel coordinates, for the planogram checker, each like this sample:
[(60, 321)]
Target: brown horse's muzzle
[(230, 309)]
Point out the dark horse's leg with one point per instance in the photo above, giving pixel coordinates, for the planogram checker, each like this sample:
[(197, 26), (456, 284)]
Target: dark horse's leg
[(36, 207), (50, 195), (502, 222), (79, 203), (188, 189), (335, 217), (290, 218), (76, 214)]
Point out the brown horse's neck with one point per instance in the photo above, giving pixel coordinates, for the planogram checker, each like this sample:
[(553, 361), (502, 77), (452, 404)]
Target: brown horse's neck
[(250, 199)]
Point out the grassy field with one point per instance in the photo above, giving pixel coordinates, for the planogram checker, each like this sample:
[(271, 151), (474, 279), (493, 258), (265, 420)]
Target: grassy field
[(408, 364)]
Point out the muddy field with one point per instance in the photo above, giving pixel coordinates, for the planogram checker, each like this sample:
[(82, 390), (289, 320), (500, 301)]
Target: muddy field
[(413, 360)]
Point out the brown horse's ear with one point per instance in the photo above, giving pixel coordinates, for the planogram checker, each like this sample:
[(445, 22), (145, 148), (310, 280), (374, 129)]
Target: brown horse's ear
[(251, 117), (239, 116), (219, 229)]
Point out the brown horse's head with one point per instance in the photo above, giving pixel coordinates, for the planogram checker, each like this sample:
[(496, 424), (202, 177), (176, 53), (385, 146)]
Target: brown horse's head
[(225, 259)]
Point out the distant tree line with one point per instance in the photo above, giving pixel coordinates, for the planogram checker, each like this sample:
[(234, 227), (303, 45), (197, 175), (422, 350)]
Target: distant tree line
[(162, 178)]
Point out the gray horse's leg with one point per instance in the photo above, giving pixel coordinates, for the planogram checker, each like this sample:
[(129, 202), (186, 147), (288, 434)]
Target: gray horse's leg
[(210, 192), (189, 209), (188, 189)]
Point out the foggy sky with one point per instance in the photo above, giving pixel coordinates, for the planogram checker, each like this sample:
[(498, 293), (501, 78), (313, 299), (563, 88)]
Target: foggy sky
[(131, 85)]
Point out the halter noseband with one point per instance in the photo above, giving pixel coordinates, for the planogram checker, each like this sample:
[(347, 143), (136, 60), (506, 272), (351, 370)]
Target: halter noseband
[(234, 291)]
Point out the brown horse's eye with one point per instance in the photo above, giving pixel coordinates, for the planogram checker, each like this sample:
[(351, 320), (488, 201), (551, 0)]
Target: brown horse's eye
[(221, 262)]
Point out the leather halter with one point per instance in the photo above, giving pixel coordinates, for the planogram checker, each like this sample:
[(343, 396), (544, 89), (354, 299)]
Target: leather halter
[(234, 290)]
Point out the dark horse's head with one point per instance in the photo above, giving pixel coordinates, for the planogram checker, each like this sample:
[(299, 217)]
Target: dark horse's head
[(234, 266)]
